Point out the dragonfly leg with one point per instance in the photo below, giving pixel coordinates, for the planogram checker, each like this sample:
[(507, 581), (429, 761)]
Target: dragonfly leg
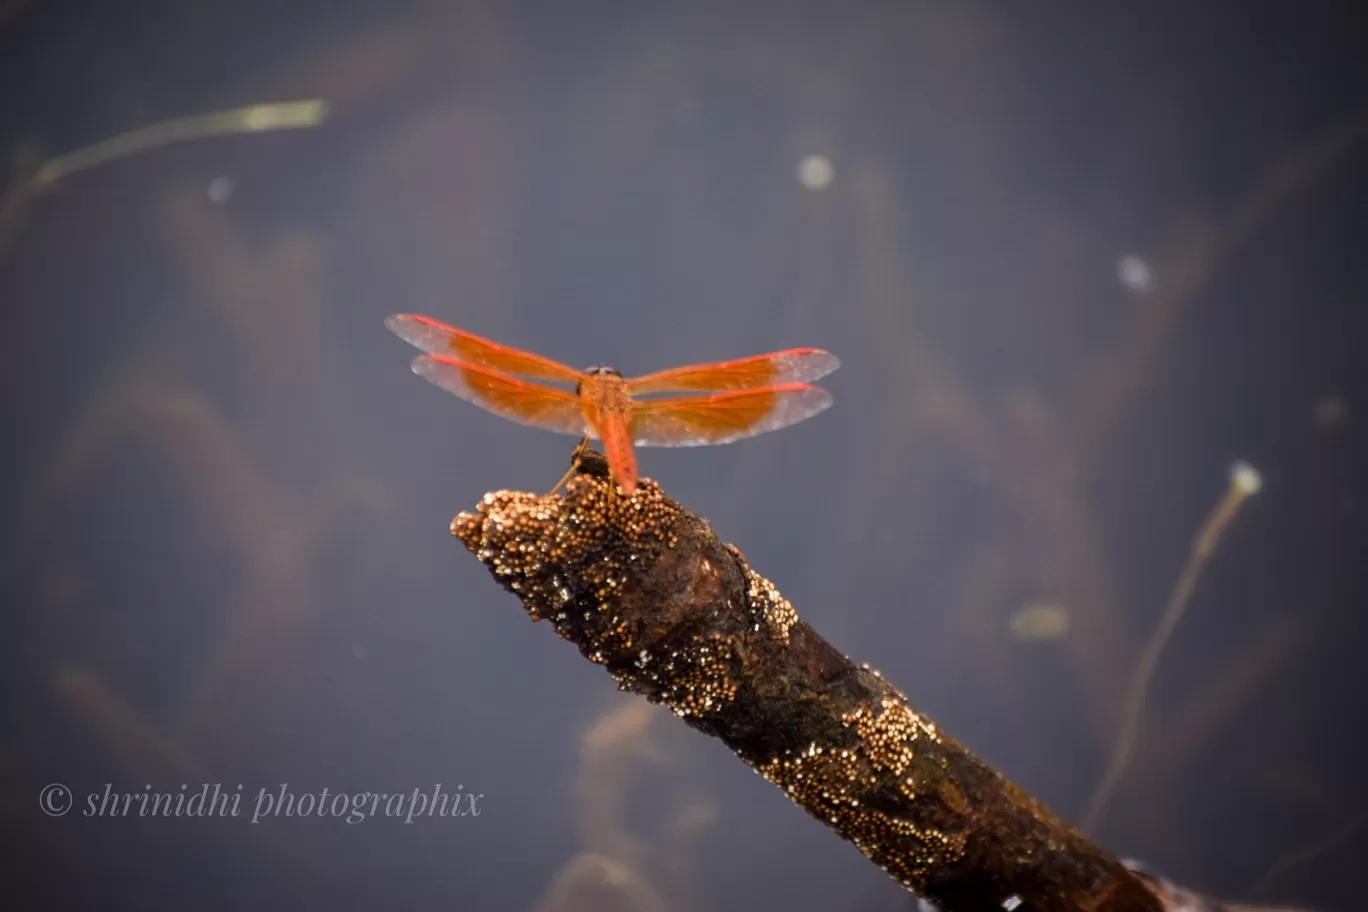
[(574, 464)]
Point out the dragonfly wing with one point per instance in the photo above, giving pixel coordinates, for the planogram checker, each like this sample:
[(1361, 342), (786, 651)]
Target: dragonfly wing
[(517, 400), (796, 365), (439, 339), (725, 417)]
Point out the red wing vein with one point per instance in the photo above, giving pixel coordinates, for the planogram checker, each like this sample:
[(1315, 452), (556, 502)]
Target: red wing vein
[(796, 365), (437, 338), (725, 417), (517, 400)]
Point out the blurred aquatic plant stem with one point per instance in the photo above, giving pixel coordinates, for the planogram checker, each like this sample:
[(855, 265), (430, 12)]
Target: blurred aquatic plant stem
[(257, 118)]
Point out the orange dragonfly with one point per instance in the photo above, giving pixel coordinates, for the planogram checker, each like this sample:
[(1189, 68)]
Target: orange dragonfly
[(749, 396)]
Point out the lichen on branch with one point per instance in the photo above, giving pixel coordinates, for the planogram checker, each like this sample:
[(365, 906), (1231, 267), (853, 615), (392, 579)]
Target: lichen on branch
[(649, 591)]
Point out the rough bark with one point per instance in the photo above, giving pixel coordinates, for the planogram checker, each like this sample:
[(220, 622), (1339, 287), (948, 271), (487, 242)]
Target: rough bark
[(648, 590)]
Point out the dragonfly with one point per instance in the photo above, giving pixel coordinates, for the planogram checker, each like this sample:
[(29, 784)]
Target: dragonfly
[(729, 401)]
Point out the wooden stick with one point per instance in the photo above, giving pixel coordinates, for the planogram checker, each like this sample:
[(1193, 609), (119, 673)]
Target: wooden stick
[(648, 590)]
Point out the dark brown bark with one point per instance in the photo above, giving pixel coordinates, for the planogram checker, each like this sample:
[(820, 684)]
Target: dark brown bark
[(646, 589)]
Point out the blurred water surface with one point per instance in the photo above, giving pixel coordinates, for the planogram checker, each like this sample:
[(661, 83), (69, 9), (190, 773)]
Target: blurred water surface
[(1076, 262)]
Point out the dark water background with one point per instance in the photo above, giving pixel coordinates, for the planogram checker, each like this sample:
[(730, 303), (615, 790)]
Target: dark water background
[(225, 498)]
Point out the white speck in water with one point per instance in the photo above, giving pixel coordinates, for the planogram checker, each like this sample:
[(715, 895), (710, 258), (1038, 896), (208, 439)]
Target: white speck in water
[(1135, 274), (1245, 478), (220, 188), (816, 172), (1011, 902)]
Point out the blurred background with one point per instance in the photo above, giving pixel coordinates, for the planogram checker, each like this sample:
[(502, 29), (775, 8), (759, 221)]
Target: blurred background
[(1077, 262)]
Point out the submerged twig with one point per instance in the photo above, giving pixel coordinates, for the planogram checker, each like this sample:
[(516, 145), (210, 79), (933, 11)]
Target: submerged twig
[(1326, 843), (1244, 482), (257, 118), (649, 591)]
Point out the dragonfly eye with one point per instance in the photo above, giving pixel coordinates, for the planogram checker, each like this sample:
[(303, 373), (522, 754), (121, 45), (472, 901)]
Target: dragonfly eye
[(601, 371)]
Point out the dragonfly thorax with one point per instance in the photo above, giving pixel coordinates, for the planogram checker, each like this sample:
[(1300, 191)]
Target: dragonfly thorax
[(597, 371)]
